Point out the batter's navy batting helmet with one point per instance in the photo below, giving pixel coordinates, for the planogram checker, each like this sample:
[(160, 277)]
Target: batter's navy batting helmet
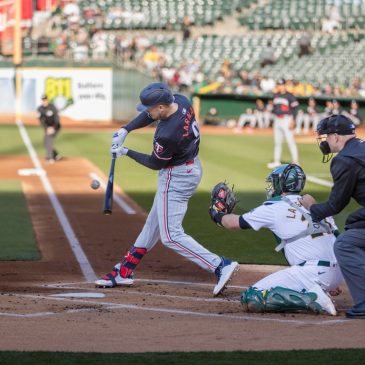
[(154, 94), (339, 124)]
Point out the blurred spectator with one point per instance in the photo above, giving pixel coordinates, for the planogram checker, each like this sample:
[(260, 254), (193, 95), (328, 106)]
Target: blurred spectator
[(99, 45), (336, 91), (332, 21), (267, 56), (226, 70), (248, 117), (114, 13), (267, 84), (353, 113), (185, 28), (337, 109), (304, 44), (263, 116), (43, 45), (245, 78), (328, 110), (327, 90), (71, 8), (151, 59)]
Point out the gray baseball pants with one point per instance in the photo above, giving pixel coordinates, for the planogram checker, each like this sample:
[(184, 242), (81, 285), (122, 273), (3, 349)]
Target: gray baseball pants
[(176, 185), (48, 144)]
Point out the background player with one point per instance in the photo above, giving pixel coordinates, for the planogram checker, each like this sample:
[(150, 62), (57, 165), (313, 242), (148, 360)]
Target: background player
[(175, 155), (285, 112), (308, 248), (50, 120)]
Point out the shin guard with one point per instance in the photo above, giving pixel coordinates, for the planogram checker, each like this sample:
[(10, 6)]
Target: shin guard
[(279, 299), (131, 260)]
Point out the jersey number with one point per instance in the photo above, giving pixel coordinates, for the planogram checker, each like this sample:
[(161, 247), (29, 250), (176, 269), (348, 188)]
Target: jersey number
[(195, 129)]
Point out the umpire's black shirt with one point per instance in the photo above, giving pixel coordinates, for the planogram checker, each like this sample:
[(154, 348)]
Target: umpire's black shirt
[(348, 173), (48, 116)]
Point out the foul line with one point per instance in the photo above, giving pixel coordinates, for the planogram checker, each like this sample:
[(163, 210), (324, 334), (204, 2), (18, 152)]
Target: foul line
[(122, 203), (111, 305), (318, 181), (79, 253)]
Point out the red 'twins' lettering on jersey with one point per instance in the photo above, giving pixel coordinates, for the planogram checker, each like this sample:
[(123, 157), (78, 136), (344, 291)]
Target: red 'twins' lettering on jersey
[(188, 119)]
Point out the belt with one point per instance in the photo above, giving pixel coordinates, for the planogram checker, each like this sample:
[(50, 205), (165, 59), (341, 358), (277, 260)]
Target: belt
[(319, 263), (190, 162), (282, 115)]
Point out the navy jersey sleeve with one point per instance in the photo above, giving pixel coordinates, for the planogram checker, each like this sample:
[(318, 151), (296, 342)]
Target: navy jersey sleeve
[(294, 104), (160, 157), (344, 183), (142, 120)]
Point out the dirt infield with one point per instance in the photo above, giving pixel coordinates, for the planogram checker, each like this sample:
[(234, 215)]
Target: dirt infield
[(170, 308)]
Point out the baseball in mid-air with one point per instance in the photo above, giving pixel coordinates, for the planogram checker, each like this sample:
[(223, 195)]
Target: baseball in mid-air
[(95, 184)]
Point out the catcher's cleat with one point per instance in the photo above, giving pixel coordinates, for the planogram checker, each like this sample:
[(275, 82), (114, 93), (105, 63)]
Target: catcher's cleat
[(323, 300), (224, 273), (113, 279)]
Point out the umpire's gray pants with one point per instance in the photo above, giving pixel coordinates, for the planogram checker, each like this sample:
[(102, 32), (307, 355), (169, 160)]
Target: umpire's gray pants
[(48, 144), (350, 252)]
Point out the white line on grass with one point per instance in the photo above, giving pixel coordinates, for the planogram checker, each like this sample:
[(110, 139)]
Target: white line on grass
[(111, 305), (79, 253), (318, 181), (120, 201)]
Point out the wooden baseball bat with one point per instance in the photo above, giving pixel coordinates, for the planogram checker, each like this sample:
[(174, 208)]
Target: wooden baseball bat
[(108, 199)]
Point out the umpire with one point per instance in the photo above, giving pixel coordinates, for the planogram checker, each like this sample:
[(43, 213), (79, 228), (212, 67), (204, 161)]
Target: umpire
[(336, 134), (50, 120)]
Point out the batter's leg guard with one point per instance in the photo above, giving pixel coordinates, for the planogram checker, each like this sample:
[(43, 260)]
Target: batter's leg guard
[(279, 299), (131, 260)]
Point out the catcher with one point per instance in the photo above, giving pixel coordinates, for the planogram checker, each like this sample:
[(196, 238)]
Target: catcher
[(307, 246)]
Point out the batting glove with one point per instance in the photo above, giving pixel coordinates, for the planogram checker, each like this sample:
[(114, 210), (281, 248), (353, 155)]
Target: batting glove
[(119, 152), (118, 138)]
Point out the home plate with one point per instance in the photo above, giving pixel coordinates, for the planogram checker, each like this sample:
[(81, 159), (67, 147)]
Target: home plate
[(79, 295), (31, 172)]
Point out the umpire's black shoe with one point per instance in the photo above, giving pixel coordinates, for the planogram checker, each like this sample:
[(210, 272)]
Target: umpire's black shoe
[(355, 313)]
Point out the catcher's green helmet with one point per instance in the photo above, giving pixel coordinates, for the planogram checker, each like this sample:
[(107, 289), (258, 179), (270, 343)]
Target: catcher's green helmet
[(288, 178)]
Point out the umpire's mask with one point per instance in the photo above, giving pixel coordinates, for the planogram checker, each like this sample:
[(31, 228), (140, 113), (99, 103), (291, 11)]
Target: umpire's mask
[(339, 124)]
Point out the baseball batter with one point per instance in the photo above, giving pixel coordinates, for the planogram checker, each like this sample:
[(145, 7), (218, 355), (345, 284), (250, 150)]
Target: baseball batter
[(175, 155), (285, 112), (307, 246)]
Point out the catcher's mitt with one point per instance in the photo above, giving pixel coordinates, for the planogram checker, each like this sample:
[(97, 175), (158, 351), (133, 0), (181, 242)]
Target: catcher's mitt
[(223, 201)]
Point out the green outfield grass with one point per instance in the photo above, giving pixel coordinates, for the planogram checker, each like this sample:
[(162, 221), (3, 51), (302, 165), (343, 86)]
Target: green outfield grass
[(17, 241), (240, 159), (318, 357)]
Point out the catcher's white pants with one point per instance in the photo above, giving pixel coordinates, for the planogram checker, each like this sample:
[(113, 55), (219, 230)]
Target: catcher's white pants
[(303, 278), (281, 130), (175, 187)]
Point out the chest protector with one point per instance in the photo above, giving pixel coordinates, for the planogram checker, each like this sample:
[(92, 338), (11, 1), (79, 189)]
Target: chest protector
[(313, 228)]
